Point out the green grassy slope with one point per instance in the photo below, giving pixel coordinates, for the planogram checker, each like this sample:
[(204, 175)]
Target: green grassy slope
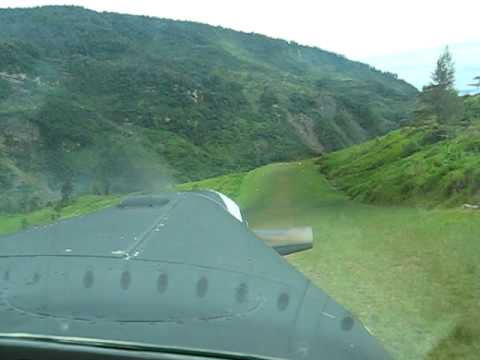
[(121, 101), (229, 185), (412, 166), (411, 275)]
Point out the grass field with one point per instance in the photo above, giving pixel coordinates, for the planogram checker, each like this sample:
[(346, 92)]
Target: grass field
[(410, 274), (423, 166), (82, 205)]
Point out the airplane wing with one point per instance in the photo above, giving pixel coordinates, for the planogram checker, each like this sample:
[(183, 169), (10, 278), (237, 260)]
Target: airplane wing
[(175, 273)]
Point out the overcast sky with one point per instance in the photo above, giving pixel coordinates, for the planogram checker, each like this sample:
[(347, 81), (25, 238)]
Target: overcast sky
[(367, 30)]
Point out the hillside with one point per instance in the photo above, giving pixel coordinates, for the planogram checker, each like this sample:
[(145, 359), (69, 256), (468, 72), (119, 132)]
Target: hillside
[(383, 263), (427, 165), (119, 103)]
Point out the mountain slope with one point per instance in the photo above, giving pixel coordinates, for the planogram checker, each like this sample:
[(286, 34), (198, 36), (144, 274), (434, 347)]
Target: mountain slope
[(428, 165), (120, 103)]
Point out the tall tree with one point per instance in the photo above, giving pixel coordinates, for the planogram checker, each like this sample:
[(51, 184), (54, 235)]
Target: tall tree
[(440, 98), (444, 74)]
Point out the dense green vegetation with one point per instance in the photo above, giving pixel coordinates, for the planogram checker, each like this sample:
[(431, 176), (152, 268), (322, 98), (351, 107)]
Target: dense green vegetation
[(424, 165), (117, 103)]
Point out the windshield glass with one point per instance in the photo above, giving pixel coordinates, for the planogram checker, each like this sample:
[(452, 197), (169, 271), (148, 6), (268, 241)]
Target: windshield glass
[(288, 181)]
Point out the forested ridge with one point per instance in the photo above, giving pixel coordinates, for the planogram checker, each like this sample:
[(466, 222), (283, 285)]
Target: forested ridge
[(110, 103)]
